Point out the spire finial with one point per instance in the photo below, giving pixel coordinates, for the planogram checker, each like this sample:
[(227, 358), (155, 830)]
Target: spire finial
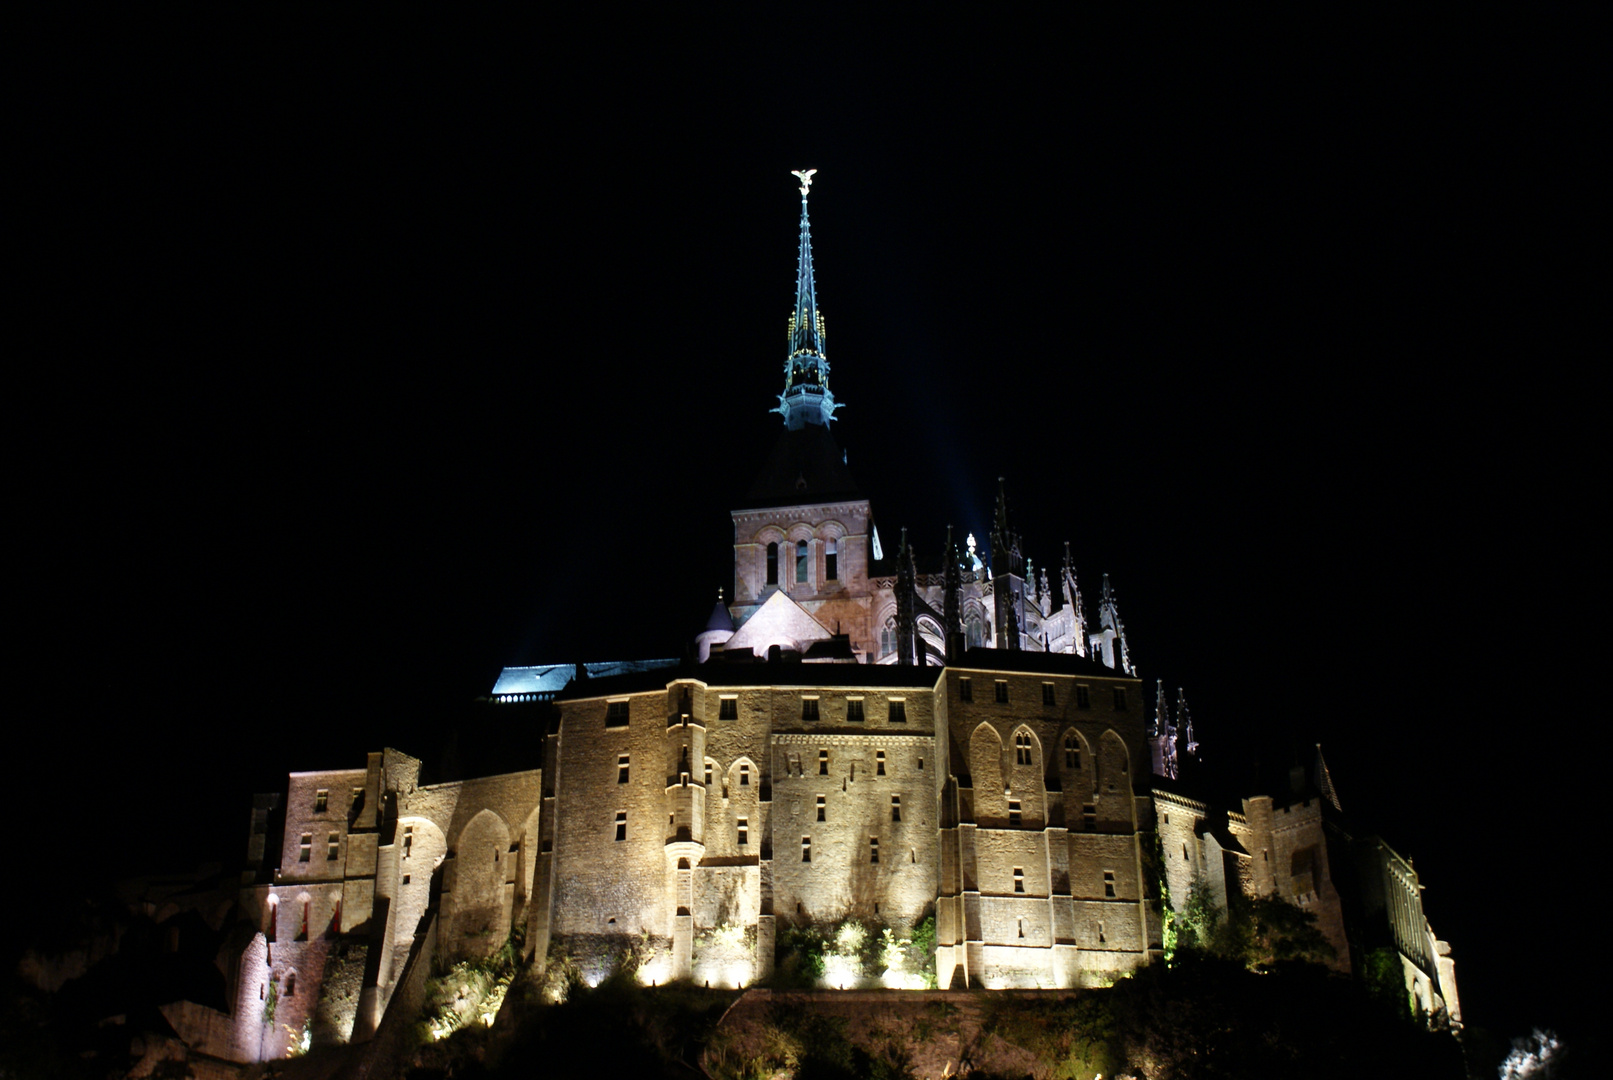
[(806, 398)]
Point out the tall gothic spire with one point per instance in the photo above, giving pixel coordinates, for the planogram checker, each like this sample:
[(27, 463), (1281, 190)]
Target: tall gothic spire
[(806, 398), (1184, 719)]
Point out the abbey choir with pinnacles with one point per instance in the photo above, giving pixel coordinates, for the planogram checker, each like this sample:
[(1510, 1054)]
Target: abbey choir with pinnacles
[(849, 736)]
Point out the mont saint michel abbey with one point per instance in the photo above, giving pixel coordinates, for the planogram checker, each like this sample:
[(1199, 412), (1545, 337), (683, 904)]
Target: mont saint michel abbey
[(851, 735)]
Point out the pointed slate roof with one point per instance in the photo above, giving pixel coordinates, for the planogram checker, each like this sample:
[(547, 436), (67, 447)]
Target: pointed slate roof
[(779, 621)]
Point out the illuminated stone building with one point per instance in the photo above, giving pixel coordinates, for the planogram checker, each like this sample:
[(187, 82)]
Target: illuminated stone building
[(850, 737)]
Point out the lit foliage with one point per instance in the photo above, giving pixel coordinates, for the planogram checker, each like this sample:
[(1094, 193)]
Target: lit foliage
[(470, 992), (1539, 1057), (845, 954), (1258, 932)]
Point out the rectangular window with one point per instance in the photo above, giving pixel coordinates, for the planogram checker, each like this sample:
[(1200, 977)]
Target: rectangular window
[(708, 774), (305, 847), (744, 776), (408, 840), (1014, 816), (823, 763), (1120, 699), (854, 710), (744, 831), (333, 847), (1083, 696), (1002, 691), (896, 808), (801, 562), (616, 714), (621, 769), (1019, 884), (806, 849), (1089, 817), (728, 708), (321, 800), (1109, 884), (873, 849), (831, 551), (898, 712), (621, 824), (809, 709), (966, 689), (879, 763), (1047, 695)]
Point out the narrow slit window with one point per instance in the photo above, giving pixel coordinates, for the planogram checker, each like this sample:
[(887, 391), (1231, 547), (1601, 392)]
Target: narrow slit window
[(744, 776), (873, 850), (621, 824), (879, 763), (1109, 884), (772, 564), (321, 800), (305, 847), (801, 559), (1014, 815), (621, 769), (896, 808), (333, 846), (708, 774), (744, 831), (1019, 882), (831, 552), (806, 849), (1089, 817), (823, 808), (823, 763)]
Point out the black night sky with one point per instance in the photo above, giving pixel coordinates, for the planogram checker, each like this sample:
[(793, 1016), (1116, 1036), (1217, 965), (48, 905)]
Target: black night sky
[(360, 364)]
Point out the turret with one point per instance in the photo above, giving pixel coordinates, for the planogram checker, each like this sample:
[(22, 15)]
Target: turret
[(1109, 641), (1072, 600), (1007, 566), (719, 628), (806, 398)]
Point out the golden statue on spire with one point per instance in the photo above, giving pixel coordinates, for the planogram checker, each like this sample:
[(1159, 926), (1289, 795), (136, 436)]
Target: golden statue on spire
[(806, 179)]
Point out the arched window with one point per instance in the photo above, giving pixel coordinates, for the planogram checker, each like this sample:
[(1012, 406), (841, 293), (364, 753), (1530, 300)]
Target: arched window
[(1022, 749), (801, 562), (974, 632), (1072, 752), (887, 638), (772, 564), (831, 551)]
